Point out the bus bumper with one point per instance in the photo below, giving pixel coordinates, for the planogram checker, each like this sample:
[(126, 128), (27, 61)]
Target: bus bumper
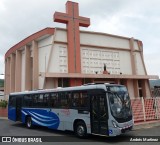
[(118, 131)]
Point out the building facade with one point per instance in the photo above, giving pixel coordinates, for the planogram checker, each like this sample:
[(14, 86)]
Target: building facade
[(56, 57)]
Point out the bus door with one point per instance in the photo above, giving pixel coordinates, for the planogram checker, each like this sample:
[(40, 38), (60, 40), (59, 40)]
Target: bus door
[(99, 114), (18, 107)]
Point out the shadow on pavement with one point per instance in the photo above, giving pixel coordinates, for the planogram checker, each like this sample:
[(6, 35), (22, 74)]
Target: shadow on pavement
[(68, 136)]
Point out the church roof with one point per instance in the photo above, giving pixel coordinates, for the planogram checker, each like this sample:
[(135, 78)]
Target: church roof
[(41, 33)]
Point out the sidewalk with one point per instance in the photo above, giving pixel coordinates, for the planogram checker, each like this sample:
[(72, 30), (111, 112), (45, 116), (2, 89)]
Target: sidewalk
[(147, 124), (6, 118)]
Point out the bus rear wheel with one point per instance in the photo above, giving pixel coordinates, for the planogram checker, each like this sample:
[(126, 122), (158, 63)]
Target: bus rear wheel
[(29, 122), (81, 130)]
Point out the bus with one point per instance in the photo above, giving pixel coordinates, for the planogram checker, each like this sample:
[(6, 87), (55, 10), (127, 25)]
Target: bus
[(98, 109)]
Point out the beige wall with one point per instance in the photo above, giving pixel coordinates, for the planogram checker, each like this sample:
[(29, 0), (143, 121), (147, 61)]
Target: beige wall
[(97, 49), (103, 40), (130, 88), (139, 64), (93, 60)]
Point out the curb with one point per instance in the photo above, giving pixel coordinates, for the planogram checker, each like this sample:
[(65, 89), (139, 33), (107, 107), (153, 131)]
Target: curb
[(5, 118), (145, 125)]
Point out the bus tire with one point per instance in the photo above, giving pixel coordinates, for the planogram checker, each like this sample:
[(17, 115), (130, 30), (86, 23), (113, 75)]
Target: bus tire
[(81, 129), (29, 122)]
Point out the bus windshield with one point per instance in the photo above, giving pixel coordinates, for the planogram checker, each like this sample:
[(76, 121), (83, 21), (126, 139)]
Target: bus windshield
[(120, 103)]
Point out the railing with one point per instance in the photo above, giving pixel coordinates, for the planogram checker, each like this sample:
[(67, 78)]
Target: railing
[(146, 109)]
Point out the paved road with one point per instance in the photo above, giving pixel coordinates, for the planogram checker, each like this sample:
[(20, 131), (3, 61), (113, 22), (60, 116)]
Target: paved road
[(9, 128)]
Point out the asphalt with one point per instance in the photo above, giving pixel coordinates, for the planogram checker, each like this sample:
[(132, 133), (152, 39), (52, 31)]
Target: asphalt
[(139, 125)]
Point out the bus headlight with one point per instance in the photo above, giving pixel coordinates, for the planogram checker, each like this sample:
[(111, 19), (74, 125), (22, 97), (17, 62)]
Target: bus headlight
[(114, 124)]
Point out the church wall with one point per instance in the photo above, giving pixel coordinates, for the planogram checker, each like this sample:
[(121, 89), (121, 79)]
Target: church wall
[(102, 40), (136, 45), (45, 42), (43, 61), (50, 84), (44, 49), (96, 50), (130, 88), (139, 65), (148, 93), (93, 60), (23, 71), (43, 58), (125, 63), (59, 61), (61, 35)]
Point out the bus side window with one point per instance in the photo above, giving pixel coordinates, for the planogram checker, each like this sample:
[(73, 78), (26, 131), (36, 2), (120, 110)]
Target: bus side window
[(75, 100), (64, 102), (27, 101), (46, 100), (54, 100), (80, 100), (84, 100), (69, 99), (36, 100), (12, 101)]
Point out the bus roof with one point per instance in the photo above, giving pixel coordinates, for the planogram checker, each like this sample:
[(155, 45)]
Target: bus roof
[(83, 87)]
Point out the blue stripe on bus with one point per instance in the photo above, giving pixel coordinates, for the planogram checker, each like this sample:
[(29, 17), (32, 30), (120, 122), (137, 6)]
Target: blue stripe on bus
[(44, 124), (41, 117)]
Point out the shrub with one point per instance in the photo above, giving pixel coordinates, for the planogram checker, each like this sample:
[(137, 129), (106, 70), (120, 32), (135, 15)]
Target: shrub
[(3, 103)]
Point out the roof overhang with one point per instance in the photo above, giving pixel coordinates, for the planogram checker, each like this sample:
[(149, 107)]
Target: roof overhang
[(100, 76), (36, 36)]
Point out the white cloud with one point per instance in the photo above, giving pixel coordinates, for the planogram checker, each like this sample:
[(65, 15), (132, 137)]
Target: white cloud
[(138, 19)]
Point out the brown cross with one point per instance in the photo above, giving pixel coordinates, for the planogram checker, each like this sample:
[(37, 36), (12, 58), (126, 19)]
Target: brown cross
[(73, 21)]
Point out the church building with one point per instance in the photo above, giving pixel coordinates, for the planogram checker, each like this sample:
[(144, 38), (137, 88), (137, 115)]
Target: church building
[(58, 57)]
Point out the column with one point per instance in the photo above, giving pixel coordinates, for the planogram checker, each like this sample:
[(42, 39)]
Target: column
[(143, 89), (18, 71), (136, 89), (131, 42), (126, 83), (146, 88), (12, 73), (28, 77), (7, 76), (35, 65), (117, 81)]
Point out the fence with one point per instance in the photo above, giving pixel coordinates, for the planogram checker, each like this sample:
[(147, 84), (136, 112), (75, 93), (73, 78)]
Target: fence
[(146, 109)]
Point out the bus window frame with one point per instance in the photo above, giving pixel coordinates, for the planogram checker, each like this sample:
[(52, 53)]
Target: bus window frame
[(87, 108), (10, 97)]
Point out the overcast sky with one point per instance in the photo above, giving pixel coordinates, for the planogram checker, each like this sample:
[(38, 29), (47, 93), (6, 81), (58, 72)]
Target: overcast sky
[(139, 19)]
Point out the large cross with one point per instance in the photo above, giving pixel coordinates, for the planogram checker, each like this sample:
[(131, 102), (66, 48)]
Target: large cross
[(73, 21)]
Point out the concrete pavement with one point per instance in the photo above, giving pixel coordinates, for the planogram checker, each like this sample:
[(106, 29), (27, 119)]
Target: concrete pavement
[(140, 125)]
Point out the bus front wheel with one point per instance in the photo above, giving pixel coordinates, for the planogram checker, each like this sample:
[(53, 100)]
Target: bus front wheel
[(80, 129), (29, 122)]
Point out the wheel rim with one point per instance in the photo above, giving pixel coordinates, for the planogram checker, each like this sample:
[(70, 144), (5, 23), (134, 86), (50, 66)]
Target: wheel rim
[(80, 130)]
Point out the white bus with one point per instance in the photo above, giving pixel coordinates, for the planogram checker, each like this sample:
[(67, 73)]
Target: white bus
[(99, 109)]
